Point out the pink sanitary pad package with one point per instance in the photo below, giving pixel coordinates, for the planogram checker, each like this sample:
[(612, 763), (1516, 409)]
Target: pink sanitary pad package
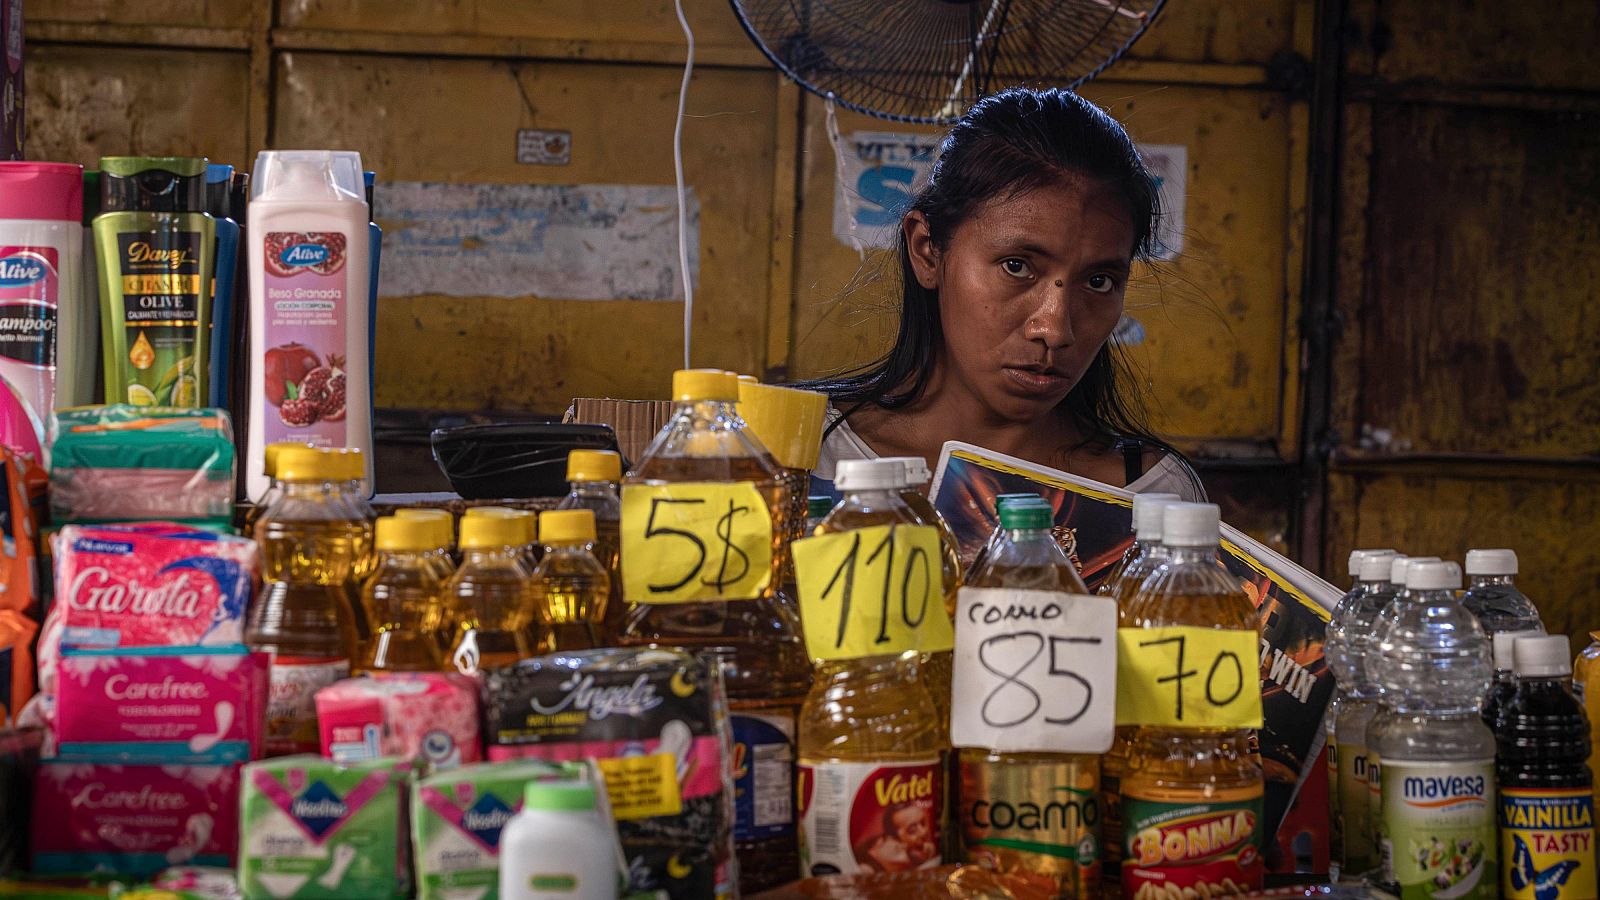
[(160, 704), (424, 716), (133, 820)]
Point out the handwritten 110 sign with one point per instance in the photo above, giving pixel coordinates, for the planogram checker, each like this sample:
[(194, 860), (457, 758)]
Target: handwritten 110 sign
[(874, 591), (1035, 671)]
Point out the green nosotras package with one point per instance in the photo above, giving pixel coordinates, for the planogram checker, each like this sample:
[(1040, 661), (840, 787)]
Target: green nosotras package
[(456, 819), (312, 829), (124, 463)]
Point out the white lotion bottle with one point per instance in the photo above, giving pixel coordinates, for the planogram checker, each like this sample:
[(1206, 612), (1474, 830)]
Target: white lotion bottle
[(309, 315), (559, 847)]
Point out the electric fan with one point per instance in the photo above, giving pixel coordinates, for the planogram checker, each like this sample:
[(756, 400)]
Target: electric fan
[(927, 61)]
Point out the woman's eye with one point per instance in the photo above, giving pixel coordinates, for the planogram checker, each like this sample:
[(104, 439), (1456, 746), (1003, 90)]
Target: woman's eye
[(1102, 284), (1017, 268)]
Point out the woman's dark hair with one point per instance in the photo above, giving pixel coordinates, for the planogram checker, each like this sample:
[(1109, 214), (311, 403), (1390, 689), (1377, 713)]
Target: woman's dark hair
[(1007, 144)]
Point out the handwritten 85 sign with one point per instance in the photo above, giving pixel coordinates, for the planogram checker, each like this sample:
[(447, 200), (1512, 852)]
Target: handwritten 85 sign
[(693, 541), (1035, 671), (874, 591)]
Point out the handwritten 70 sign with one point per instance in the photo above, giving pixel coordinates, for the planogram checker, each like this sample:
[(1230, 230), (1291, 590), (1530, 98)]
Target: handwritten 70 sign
[(1184, 675), (1035, 671)]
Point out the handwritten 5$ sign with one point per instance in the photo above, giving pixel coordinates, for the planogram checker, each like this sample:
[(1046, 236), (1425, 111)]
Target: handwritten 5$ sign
[(691, 541), (1186, 675), (873, 591)]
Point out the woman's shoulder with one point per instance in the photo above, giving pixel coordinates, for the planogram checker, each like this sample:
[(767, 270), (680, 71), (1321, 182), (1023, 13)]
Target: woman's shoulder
[(839, 442), (1171, 474)]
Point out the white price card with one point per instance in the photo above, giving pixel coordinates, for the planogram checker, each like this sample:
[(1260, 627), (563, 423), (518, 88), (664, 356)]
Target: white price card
[(1035, 671)]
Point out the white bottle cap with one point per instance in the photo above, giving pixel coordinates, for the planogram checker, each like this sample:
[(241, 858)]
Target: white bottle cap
[(869, 475), (1376, 564), (1432, 575), (1543, 656), (1357, 557), (1504, 659), (917, 472), (1491, 562), (1148, 510), (1191, 525), (1399, 565)]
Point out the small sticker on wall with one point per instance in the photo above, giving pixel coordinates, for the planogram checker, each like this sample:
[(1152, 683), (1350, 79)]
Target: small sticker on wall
[(537, 147)]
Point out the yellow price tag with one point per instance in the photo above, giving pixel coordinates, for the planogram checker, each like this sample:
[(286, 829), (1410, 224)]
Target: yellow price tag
[(695, 541), (642, 787), (1185, 675), (872, 592)]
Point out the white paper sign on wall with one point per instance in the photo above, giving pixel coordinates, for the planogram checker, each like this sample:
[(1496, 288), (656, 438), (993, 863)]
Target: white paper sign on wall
[(1035, 671)]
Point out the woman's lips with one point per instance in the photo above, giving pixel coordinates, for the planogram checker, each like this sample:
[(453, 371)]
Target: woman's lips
[(1033, 381)]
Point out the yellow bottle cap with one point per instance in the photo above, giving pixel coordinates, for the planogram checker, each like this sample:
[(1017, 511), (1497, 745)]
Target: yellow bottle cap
[(787, 421), (351, 462), (524, 519), (440, 520), (748, 379), (302, 464), (272, 451), (567, 526), (398, 534), (594, 465), (689, 385), (483, 532)]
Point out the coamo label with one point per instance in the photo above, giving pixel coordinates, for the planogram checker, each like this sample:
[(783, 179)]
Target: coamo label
[(1041, 819), (1213, 848), (1547, 842), (1438, 828), (299, 255)]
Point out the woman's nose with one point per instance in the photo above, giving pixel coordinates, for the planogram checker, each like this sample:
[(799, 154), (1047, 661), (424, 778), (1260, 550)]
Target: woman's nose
[(1051, 320)]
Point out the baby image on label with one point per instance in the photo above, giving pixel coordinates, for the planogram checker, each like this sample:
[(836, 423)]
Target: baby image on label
[(867, 817), (306, 321)]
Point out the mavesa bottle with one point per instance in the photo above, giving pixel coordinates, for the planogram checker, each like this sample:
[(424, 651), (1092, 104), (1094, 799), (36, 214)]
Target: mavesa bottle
[(1547, 833), (1389, 601), (403, 600), (1059, 848), (304, 617), (870, 772), (488, 596), (1493, 596), (570, 587), (765, 668), (594, 476), (1201, 771), (1137, 564)]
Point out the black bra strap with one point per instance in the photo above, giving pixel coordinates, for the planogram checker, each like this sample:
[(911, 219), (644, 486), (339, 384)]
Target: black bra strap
[(1132, 460)]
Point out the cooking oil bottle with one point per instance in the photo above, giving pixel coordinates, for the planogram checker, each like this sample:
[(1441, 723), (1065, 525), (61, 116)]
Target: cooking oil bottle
[(351, 487), (1207, 776), (594, 476), (1138, 563), (765, 667), (871, 782), (271, 493), (489, 597), (402, 599), (304, 616), (1061, 847), (570, 586), (527, 526), (936, 667), (1000, 501), (817, 508), (441, 537)]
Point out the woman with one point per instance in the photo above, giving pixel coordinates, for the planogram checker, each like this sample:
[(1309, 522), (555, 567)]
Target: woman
[(1014, 262)]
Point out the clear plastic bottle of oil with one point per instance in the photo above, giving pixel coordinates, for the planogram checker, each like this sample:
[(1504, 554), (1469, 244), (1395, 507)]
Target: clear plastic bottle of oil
[(936, 667), (1205, 772), (594, 476), (351, 485), (1138, 563), (527, 525), (765, 668), (489, 596), (871, 778), (442, 537), (1000, 501), (570, 587), (817, 508), (304, 616), (402, 599), (270, 469), (1061, 847)]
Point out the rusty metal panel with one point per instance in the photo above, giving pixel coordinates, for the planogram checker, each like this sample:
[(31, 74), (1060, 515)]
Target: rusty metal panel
[(1547, 45), (88, 102), (1215, 319), (200, 13), (1548, 521), (1219, 31), (1478, 328), (456, 121)]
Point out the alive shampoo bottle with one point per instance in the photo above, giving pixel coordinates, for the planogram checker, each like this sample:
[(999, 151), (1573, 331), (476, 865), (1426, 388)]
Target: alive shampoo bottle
[(309, 317)]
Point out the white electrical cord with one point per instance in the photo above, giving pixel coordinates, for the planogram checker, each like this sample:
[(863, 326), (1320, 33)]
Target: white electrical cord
[(683, 206)]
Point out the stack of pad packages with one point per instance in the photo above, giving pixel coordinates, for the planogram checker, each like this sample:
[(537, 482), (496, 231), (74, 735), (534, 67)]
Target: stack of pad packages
[(151, 700)]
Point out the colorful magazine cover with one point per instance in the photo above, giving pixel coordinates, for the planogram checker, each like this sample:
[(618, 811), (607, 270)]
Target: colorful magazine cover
[(1094, 524)]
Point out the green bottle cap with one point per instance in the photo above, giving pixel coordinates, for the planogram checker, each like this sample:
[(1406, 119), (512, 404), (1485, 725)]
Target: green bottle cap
[(1026, 516), (153, 183), (817, 507), (559, 796)]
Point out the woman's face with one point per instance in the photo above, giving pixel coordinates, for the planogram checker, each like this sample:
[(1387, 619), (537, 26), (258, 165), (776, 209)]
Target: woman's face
[(1030, 288)]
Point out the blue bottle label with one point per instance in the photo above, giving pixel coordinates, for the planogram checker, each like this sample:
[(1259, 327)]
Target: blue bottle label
[(763, 776)]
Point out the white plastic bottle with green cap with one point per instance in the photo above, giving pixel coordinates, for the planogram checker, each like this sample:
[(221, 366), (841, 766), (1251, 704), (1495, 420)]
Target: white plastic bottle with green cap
[(558, 847), (309, 317), (1492, 594)]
